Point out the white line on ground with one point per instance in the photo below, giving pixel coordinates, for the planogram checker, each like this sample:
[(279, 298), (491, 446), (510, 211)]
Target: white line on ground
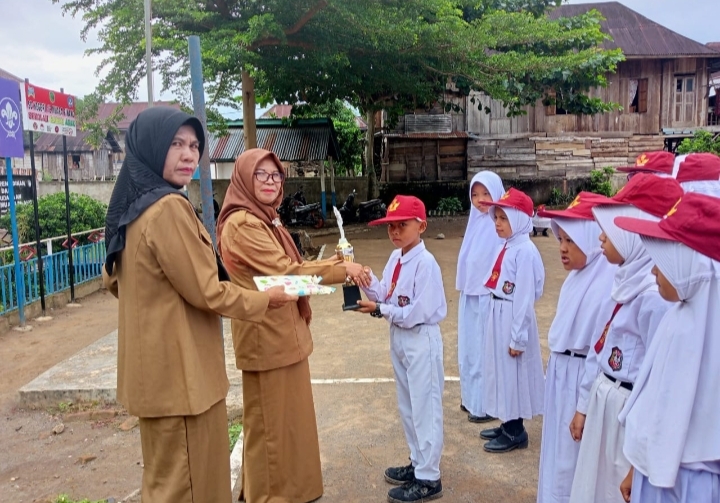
[(367, 380)]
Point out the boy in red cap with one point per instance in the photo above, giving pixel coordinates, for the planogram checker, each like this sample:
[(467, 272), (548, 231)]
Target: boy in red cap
[(513, 375), (672, 438), (583, 306), (412, 298), (658, 163), (619, 348)]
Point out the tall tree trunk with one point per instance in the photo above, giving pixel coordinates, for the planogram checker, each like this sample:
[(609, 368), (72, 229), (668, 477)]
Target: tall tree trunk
[(373, 188), (248, 100)]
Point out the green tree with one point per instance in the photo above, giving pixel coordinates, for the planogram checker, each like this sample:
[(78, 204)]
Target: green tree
[(702, 141), (350, 138)]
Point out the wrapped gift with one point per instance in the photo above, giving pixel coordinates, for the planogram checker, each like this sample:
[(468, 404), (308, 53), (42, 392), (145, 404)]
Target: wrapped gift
[(294, 285)]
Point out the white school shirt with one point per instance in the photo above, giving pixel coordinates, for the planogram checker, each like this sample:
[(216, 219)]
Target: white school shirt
[(626, 342), (419, 296), (521, 281)]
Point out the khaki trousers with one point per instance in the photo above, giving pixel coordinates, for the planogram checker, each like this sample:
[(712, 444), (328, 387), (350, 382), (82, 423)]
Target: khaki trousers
[(187, 458)]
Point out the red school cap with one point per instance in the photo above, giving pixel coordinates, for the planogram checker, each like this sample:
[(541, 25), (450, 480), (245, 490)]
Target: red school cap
[(403, 208), (652, 162), (699, 167), (694, 221), (580, 208), (513, 198), (647, 192)]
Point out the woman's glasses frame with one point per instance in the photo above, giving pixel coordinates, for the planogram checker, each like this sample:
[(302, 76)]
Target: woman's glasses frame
[(264, 176)]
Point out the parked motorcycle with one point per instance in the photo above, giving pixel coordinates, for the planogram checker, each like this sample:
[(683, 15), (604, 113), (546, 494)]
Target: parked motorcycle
[(364, 212), (294, 211)]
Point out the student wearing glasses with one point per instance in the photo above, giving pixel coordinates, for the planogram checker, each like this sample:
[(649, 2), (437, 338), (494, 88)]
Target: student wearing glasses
[(281, 461)]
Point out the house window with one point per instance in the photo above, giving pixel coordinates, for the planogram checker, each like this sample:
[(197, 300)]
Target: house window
[(75, 161), (553, 109), (638, 96), (684, 99)]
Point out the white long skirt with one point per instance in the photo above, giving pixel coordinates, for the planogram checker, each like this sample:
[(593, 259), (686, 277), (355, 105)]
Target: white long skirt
[(601, 465), (513, 388), (559, 452), (472, 318), (691, 486)]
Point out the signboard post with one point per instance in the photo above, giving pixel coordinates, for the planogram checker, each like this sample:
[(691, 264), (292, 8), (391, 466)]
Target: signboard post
[(11, 145), (36, 217)]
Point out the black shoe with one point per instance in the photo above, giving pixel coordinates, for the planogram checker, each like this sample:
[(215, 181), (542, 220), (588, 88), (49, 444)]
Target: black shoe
[(462, 408), (491, 433), (400, 474), (506, 443), (480, 419), (416, 491)]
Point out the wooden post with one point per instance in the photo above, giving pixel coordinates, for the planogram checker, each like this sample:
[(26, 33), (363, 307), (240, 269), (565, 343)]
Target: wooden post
[(437, 157), (332, 182), (322, 187), (248, 97)]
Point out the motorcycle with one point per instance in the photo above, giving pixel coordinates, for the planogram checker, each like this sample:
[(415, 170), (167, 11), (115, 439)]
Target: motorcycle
[(294, 211), (365, 212)]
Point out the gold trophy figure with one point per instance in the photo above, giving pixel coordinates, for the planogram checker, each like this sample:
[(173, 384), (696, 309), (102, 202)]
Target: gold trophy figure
[(344, 250)]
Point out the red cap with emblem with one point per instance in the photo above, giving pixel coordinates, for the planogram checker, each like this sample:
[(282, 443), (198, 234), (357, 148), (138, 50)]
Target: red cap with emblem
[(580, 208), (694, 221), (699, 167), (513, 198), (652, 162), (650, 193), (403, 208)]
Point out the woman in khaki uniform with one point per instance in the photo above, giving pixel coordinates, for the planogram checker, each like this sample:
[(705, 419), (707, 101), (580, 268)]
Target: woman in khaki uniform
[(162, 267), (282, 458)]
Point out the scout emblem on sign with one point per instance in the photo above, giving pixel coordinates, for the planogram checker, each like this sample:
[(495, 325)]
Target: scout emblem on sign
[(508, 288), (616, 359), (403, 301)]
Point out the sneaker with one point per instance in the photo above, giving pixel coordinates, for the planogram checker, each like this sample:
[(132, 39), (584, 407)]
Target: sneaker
[(416, 491), (507, 443), (480, 419), (491, 433), (400, 474)]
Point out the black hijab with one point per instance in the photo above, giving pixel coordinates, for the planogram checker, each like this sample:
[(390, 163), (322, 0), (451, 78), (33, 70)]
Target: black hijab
[(140, 183)]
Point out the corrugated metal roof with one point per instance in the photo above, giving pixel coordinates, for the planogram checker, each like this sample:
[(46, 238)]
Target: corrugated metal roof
[(313, 143), (635, 34), (429, 136), (130, 111), (53, 143)]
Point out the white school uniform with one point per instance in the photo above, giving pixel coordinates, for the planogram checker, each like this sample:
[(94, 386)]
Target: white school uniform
[(513, 387), (584, 306), (672, 435), (477, 254), (414, 309), (601, 465)]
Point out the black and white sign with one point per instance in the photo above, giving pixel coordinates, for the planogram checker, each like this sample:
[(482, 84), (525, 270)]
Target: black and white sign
[(23, 191)]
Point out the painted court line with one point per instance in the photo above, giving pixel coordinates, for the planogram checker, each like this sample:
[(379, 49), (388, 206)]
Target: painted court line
[(367, 380)]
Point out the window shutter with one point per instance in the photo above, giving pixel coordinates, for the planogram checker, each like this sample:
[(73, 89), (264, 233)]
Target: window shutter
[(642, 96)]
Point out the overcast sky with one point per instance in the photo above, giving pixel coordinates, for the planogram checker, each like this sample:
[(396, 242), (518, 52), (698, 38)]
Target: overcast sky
[(40, 44)]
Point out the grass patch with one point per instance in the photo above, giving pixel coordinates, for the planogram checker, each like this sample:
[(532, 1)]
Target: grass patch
[(234, 430), (64, 498)]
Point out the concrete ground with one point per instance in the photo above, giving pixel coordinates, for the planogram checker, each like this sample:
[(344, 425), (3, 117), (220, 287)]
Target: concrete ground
[(358, 423)]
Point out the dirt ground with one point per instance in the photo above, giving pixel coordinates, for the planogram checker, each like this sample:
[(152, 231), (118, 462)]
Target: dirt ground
[(37, 464)]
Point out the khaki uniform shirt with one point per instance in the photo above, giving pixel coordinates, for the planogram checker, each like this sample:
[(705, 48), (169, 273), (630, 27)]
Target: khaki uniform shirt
[(171, 359), (282, 338)]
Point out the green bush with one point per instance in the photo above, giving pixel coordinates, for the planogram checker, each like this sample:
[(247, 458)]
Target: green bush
[(702, 141), (85, 213), (600, 181), (557, 198), (449, 204), (234, 431), (64, 498)]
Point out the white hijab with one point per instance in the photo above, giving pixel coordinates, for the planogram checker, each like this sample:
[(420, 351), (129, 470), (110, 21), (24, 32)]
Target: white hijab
[(633, 277), (707, 187), (481, 243), (675, 404), (584, 305)]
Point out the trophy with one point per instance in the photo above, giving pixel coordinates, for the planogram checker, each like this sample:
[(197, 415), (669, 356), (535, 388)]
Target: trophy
[(344, 250)]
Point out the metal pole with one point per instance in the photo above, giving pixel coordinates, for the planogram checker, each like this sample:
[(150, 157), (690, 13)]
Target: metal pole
[(148, 51), (198, 93), (71, 268), (41, 274), (19, 275)]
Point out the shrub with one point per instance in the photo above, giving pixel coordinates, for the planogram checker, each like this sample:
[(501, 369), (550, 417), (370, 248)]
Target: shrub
[(234, 431), (600, 181), (449, 204), (557, 198), (702, 141)]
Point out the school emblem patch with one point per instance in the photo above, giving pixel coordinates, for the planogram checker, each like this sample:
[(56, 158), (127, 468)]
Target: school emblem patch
[(616, 359), (508, 288), (403, 301)]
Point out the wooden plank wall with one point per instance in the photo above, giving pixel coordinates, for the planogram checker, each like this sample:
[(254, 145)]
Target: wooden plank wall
[(496, 122), (93, 165), (547, 156), (418, 159)]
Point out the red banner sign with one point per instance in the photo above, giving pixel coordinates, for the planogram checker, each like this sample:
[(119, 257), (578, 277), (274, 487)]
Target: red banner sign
[(46, 111)]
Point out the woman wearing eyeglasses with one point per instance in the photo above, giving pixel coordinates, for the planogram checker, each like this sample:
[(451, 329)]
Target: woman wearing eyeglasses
[(282, 457)]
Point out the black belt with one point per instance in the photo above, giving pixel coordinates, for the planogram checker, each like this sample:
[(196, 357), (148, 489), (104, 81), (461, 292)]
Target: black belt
[(495, 297), (567, 352), (627, 385)]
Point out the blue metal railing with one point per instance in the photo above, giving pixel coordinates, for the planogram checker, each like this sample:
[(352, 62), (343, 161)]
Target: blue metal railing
[(87, 264)]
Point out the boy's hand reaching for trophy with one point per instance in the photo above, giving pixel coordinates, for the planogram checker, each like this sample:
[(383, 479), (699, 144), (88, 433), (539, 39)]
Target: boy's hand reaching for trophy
[(359, 274)]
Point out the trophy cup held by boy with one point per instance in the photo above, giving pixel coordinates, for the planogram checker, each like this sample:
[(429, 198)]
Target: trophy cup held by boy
[(344, 250)]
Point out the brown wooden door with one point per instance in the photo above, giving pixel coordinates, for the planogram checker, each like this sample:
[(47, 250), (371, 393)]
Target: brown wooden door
[(684, 100)]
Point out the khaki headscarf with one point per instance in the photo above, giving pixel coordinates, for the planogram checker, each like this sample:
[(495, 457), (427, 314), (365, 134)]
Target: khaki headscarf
[(241, 196)]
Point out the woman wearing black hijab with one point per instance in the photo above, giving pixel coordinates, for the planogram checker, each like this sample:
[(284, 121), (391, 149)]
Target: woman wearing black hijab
[(162, 267)]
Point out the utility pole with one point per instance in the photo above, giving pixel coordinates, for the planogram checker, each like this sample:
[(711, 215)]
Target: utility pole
[(148, 51)]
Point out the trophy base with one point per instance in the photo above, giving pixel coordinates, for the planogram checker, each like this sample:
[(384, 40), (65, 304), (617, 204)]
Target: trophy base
[(351, 296)]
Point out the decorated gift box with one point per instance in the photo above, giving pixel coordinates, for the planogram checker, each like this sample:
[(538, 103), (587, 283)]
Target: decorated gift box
[(294, 285)]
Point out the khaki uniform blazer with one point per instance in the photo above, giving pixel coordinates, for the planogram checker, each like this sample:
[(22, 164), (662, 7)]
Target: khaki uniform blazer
[(282, 338), (171, 358)]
